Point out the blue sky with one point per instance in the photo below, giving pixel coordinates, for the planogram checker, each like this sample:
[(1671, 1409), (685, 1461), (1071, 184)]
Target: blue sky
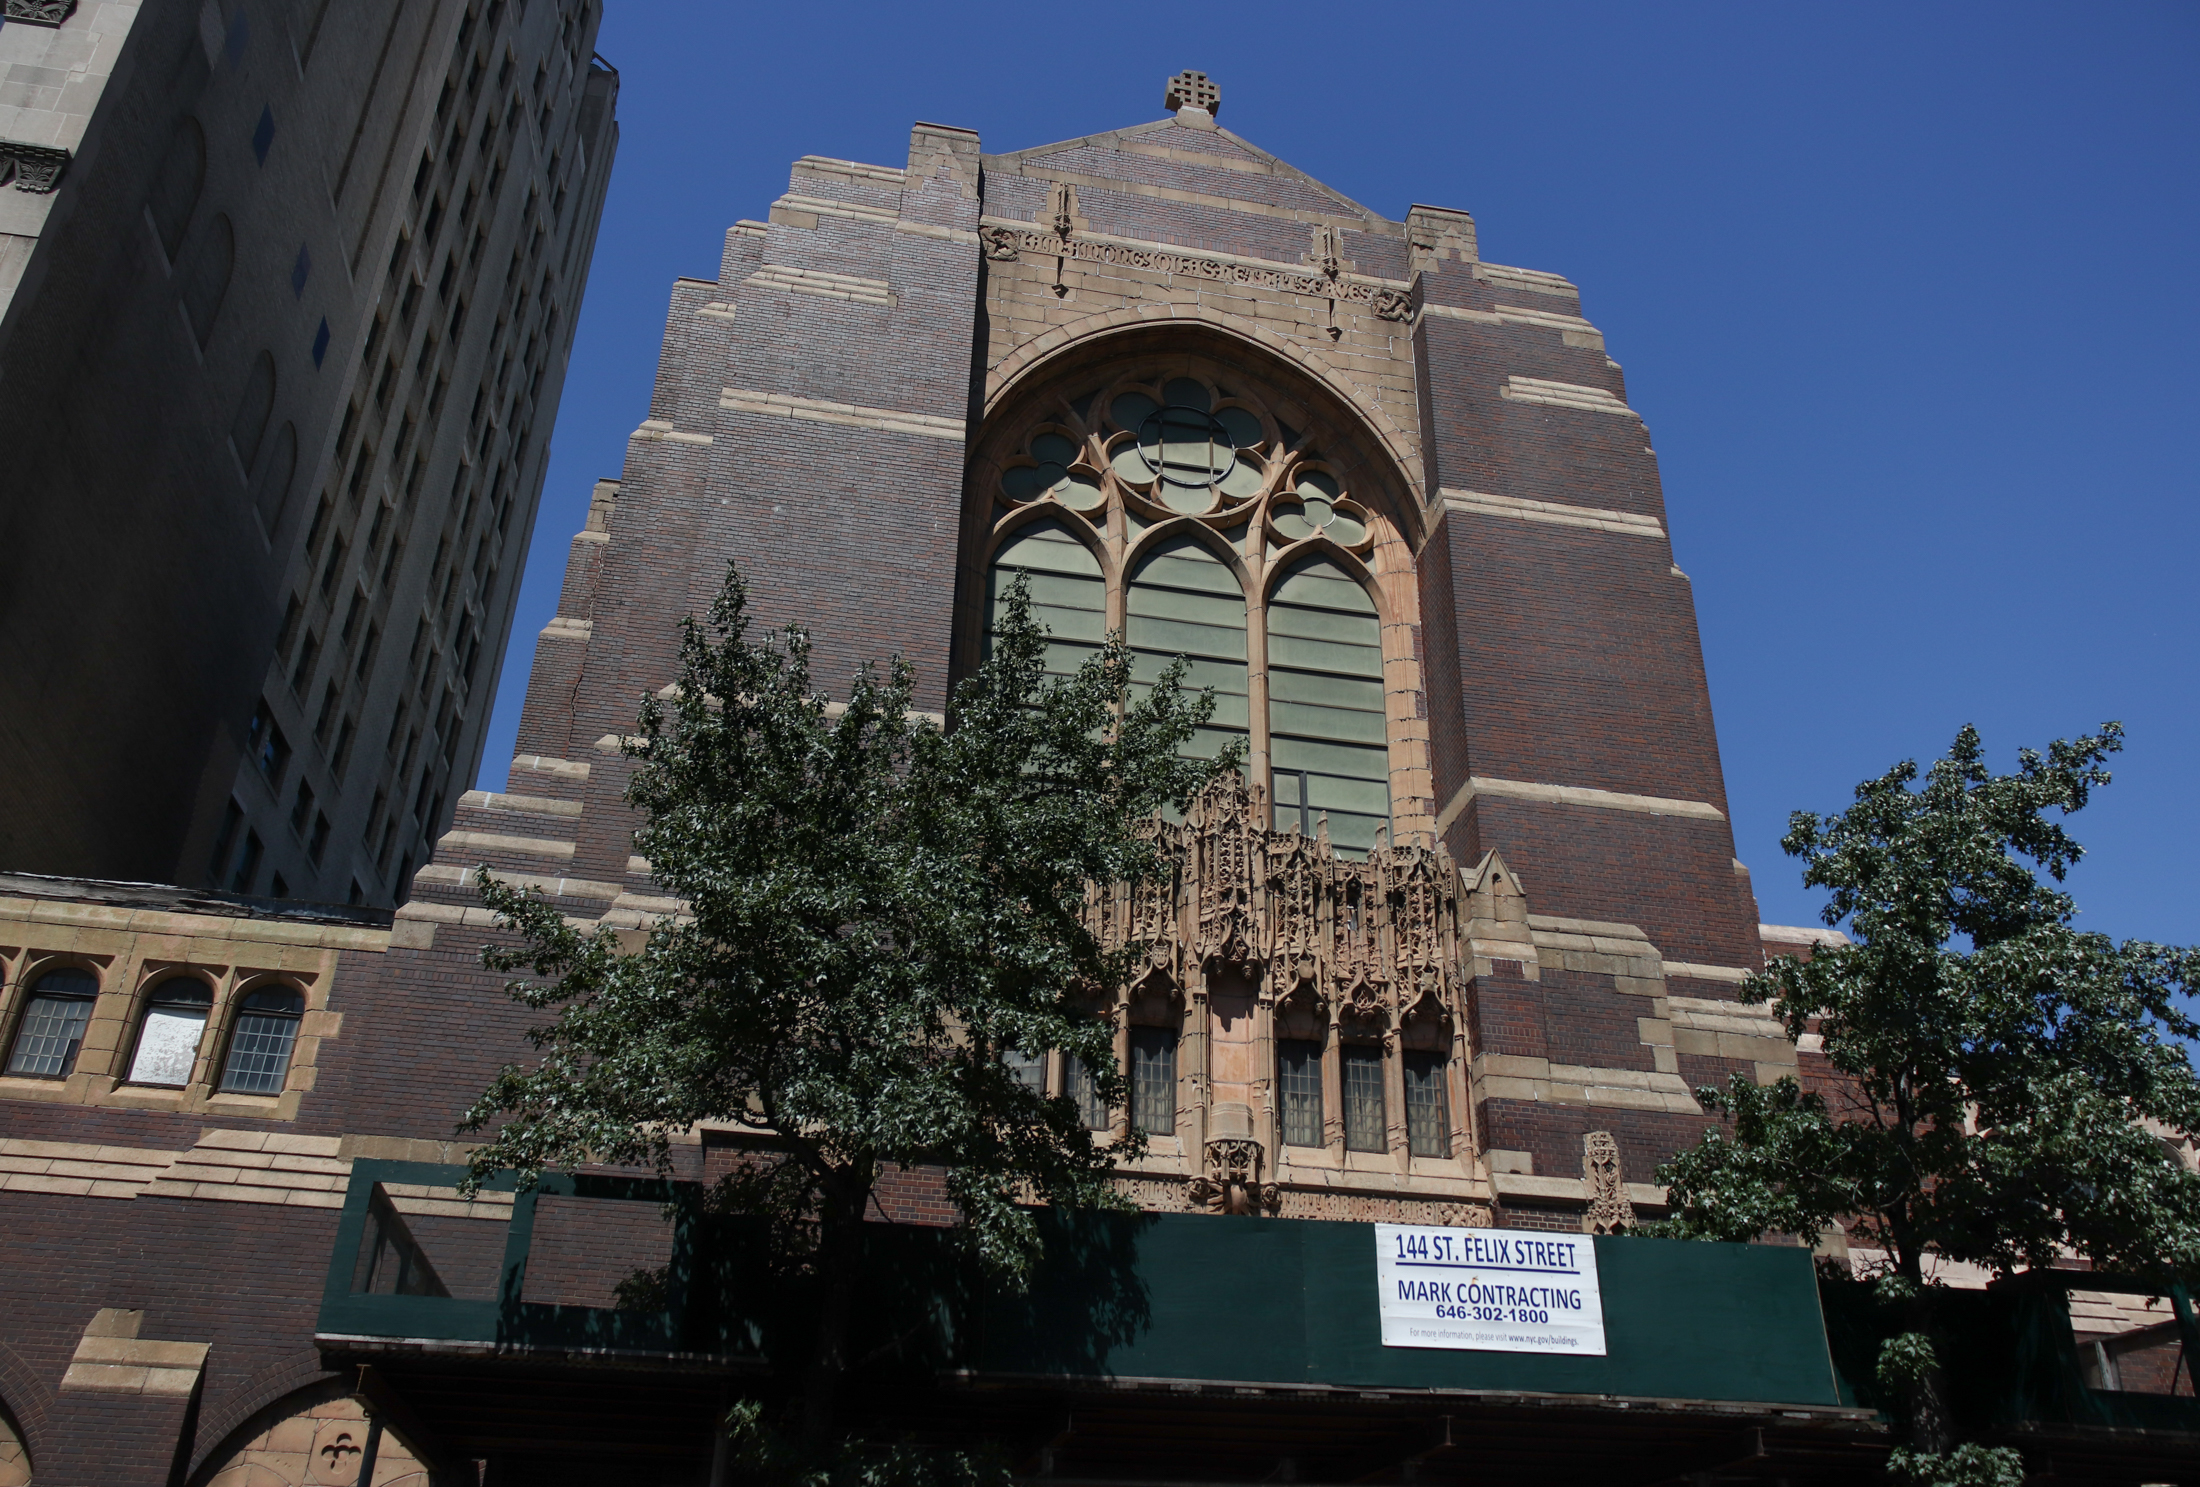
[(1905, 292)]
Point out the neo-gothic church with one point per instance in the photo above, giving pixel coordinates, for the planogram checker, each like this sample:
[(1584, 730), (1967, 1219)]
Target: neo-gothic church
[(1453, 950)]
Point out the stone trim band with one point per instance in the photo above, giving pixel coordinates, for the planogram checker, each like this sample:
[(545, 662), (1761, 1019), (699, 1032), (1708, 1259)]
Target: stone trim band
[(1609, 800)]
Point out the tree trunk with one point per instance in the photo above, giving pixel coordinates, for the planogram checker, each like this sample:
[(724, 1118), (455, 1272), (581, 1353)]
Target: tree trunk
[(1925, 1397), (839, 1266)]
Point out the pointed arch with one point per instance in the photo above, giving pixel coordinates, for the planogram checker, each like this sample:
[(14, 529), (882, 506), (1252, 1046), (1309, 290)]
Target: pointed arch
[(1182, 598), (1069, 590)]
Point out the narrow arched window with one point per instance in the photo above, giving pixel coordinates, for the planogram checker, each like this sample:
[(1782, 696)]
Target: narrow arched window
[(1067, 595), (169, 1032), (250, 425), (1328, 744), (55, 1016), (1183, 600), (206, 278), (260, 1047), (175, 192)]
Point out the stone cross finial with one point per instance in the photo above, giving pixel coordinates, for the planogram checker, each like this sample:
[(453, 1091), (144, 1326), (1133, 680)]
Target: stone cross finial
[(1192, 90)]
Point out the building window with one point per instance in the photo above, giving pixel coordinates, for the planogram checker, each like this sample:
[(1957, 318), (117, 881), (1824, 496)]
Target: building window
[(1027, 1069), (1261, 538), (1299, 1073), (1084, 1091), (54, 1019), (169, 1034), (1428, 1107), (259, 1049), (1363, 1098), (1328, 741), (1153, 1080)]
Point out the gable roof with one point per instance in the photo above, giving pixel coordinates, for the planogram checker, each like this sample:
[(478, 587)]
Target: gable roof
[(1205, 164)]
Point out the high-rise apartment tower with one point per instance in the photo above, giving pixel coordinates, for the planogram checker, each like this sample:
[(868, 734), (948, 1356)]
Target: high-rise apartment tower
[(287, 290)]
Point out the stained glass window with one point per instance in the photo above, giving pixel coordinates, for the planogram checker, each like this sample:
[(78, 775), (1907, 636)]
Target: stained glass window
[(54, 1020), (259, 1049), (1363, 1098), (1299, 1073)]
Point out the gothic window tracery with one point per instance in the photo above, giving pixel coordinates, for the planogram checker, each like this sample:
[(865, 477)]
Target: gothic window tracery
[(1195, 515), (1293, 999)]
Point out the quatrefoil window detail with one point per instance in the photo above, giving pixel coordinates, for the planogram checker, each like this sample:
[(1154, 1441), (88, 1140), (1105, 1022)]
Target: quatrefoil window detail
[(1054, 472)]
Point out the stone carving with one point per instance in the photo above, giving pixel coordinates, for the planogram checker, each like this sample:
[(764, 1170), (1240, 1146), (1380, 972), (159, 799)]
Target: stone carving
[(1232, 1183), (1375, 1208), (35, 168), (1004, 243), (1380, 938), (1391, 305), (1223, 828), (41, 12), (1609, 1211), (1192, 90)]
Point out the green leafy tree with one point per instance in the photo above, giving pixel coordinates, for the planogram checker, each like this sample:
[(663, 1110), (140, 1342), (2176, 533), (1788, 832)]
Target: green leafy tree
[(1997, 1064), (876, 911)]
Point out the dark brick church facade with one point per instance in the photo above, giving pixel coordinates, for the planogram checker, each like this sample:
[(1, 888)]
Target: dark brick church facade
[(1425, 559)]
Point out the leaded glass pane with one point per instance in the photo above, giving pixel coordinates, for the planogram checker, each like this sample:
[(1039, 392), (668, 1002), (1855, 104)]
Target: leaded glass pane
[(1067, 595), (1184, 600), (259, 1053), (1028, 1068), (53, 1025), (1363, 1099), (1325, 702), (1085, 1092), (1299, 1068), (1428, 1115), (1153, 1080)]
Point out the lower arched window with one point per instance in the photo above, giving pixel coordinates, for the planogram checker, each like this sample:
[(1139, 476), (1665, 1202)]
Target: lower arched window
[(260, 1046), (55, 1016), (169, 1033)]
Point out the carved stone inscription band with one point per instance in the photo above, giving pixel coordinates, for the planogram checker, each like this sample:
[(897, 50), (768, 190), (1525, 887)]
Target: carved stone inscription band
[(1004, 243)]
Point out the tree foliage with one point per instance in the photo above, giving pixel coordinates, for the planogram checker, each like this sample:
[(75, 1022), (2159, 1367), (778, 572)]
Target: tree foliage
[(1997, 1067), (1998, 1063), (875, 910)]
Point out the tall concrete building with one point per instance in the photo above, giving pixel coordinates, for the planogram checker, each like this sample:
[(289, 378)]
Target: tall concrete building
[(287, 290)]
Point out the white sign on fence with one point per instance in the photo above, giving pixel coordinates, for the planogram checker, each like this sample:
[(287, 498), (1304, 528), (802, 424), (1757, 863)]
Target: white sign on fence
[(1488, 1290)]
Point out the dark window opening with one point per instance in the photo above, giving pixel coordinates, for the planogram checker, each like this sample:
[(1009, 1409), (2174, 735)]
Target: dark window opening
[(1299, 1077), (1363, 1099), (1153, 1080), (1428, 1106)]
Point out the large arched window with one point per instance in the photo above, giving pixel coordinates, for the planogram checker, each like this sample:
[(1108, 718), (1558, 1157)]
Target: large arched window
[(1182, 600), (1329, 751), (1067, 595), (1236, 543)]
